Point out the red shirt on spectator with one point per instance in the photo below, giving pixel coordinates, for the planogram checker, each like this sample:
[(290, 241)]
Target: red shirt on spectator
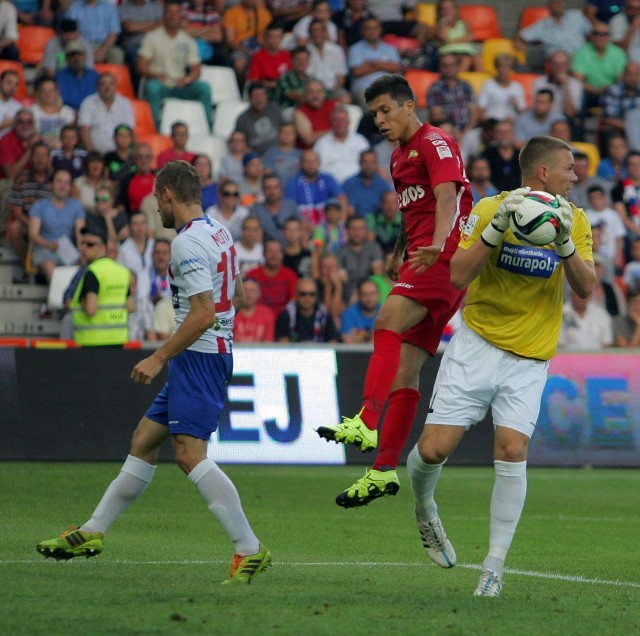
[(11, 149), (172, 155), (269, 66), (258, 327), (139, 186), (277, 289), (320, 118)]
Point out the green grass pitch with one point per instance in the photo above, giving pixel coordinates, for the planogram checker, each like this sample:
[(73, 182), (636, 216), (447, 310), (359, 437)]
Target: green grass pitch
[(574, 567)]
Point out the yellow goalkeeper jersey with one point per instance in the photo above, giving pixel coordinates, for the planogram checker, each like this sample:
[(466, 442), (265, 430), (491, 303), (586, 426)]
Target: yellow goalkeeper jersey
[(516, 301)]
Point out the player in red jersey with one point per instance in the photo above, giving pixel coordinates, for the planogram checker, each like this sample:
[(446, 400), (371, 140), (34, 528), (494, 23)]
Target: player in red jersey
[(435, 198)]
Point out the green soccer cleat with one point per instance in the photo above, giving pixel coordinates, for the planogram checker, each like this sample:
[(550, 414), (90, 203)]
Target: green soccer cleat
[(244, 568), (72, 543), (352, 431), (374, 484)]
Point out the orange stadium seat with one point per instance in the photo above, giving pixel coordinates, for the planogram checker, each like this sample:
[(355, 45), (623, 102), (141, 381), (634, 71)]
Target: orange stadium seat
[(495, 46), (527, 80), (158, 143), (420, 81), (476, 79), (31, 42), (401, 44), (482, 20), (143, 117), (10, 65), (122, 75), (529, 15)]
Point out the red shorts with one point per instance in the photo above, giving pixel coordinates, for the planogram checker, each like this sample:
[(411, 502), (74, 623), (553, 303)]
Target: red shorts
[(434, 290)]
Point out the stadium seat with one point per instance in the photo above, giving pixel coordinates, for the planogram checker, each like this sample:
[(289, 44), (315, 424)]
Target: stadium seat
[(425, 13), (591, 150), (223, 83), (10, 65), (188, 111), (482, 20), (225, 116), (420, 81), (124, 85), (527, 80), (211, 145), (401, 44), (475, 78), (31, 42), (60, 280), (158, 143), (355, 115), (495, 46), (143, 117), (529, 15)]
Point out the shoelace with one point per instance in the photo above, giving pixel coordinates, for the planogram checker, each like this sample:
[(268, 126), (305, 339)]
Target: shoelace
[(488, 577), (433, 534)]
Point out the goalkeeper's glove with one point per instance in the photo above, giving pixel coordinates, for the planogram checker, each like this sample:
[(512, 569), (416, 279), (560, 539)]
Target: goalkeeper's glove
[(493, 234), (563, 242)]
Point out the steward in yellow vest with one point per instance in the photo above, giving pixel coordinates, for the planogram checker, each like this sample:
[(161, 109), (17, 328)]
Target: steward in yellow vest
[(102, 300)]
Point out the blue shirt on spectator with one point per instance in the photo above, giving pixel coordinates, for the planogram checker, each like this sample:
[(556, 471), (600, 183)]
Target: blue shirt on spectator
[(352, 319), (361, 52), (310, 196), (74, 89), (56, 222), (365, 197), (96, 22)]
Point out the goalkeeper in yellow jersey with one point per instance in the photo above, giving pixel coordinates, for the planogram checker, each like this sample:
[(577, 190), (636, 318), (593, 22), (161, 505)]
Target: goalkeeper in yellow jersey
[(500, 356)]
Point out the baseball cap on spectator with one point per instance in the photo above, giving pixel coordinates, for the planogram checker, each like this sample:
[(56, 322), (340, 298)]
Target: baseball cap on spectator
[(75, 46), (95, 231), (333, 203), (250, 156)]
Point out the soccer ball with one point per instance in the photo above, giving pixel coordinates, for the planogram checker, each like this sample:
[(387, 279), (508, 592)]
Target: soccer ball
[(536, 220)]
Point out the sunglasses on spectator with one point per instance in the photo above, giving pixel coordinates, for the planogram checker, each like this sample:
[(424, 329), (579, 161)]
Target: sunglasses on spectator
[(102, 197), (230, 194), (306, 293)]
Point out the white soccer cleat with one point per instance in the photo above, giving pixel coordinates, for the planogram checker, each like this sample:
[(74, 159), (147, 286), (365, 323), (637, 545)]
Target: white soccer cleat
[(489, 584), (436, 544)]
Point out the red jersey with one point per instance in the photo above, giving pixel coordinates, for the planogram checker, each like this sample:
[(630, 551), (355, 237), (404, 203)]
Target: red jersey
[(269, 66), (260, 327), (171, 155), (277, 290), (429, 158)]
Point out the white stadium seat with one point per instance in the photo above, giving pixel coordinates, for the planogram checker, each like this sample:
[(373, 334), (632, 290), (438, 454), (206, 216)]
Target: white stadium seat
[(188, 111), (223, 83), (60, 280), (225, 116), (355, 115), (211, 145)]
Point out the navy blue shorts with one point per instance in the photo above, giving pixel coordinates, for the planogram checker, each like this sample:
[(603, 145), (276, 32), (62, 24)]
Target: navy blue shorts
[(191, 401)]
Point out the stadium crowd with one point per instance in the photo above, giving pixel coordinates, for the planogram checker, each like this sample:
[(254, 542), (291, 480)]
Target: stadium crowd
[(305, 193)]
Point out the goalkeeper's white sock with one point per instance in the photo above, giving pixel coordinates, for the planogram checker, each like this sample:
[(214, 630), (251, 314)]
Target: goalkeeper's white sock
[(224, 502), (507, 502), (424, 479), (135, 475)]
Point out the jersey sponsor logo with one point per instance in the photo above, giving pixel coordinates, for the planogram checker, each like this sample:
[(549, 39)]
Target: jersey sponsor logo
[(444, 152), (412, 193), (412, 154), (407, 285), (527, 260), (470, 225), (189, 261)]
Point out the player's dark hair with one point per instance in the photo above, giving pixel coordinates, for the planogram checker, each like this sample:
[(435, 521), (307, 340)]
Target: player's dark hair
[(537, 151), (182, 179), (395, 86)]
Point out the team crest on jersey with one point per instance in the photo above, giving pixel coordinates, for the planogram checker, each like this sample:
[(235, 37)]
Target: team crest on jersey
[(444, 152), (412, 154), (469, 226), (527, 260)]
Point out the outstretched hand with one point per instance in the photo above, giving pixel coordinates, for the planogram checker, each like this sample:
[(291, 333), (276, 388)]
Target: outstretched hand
[(424, 257)]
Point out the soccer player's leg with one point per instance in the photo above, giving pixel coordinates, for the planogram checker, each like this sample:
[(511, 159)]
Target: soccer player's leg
[(397, 314)]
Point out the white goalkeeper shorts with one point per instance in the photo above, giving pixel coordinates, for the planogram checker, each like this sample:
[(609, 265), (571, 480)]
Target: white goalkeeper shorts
[(475, 375)]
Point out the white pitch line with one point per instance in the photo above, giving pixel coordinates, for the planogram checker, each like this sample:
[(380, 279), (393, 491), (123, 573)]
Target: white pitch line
[(465, 566)]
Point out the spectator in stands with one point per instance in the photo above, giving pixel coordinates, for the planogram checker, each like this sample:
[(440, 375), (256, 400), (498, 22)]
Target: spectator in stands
[(296, 255), (278, 283), (626, 327), (612, 230), (270, 62), (203, 167), (567, 90), (149, 207), (249, 248), (479, 172), (106, 218), (391, 13), (320, 12), (453, 36), (29, 186), (245, 24), (103, 112), (254, 322), (370, 58), (76, 80), (288, 12), (310, 189), (33, 12), (69, 155), (119, 161), (54, 58), (330, 281), (563, 30), (84, 186), (384, 226), (305, 319), (228, 209), (605, 274), (584, 182), (9, 106), (178, 150), (359, 257), (161, 294), (202, 20), (8, 31), (597, 64), (612, 167), (357, 320), (349, 22), (477, 140), (501, 97), (631, 272), (289, 91), (312, 118), (328, 62), (283, 159), (137, 17), (451, 99), (275, 209), (168, 59), (560, 129), (537, 120), (619, 98), (53, 223), (625, 196), (250, 186), (139, 182), (261, 120), (502, 156), (365, 189), (382, 281), (49, 112), (231, 164), (330, 235), (99, 24), (624, 29), (585, 325)]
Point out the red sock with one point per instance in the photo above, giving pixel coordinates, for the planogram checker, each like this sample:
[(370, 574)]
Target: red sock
[(381, 373), (398, 420)]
